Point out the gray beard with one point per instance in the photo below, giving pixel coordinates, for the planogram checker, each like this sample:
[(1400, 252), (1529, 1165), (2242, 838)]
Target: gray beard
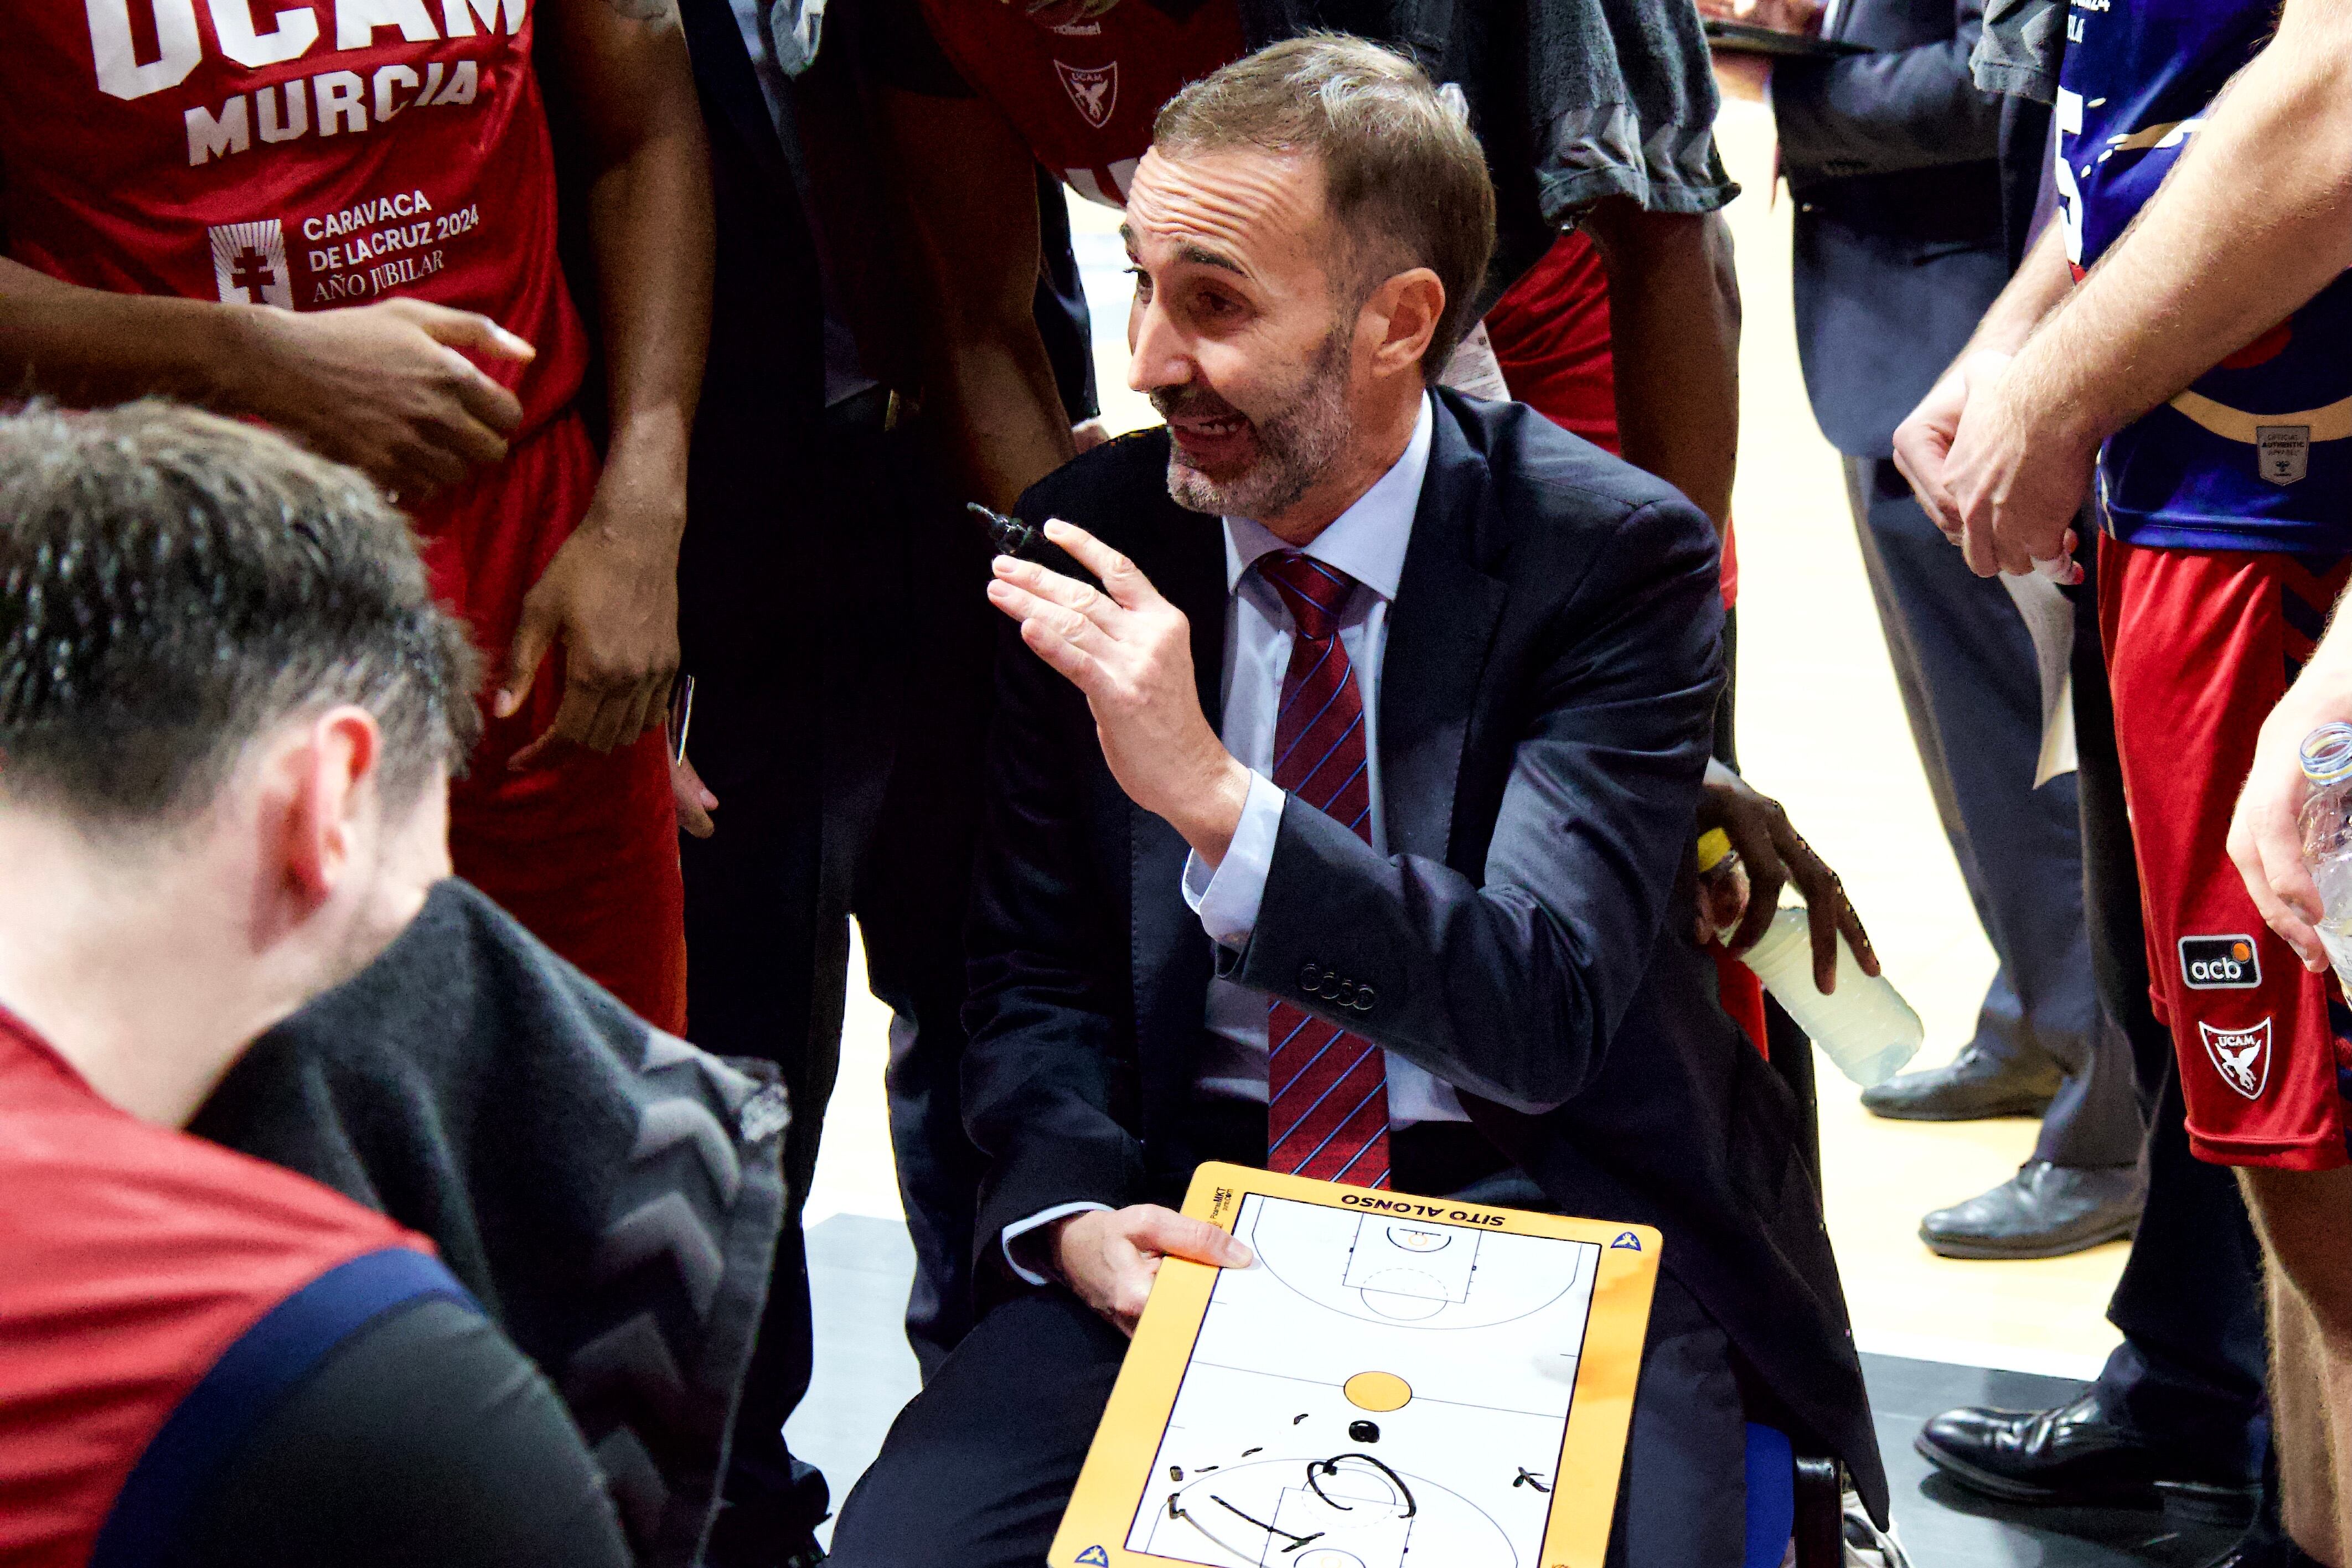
[(1296, 445)]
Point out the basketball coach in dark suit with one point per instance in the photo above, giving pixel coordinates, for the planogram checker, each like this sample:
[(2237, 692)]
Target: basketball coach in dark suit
[(1337, 819)]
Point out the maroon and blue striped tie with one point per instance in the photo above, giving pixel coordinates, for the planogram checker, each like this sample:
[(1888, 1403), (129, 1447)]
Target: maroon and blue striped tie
[(1327, 1100)]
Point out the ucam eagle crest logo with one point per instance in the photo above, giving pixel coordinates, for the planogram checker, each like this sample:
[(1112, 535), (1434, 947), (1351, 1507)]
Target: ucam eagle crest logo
[(1093, 88), (2241, 1056)]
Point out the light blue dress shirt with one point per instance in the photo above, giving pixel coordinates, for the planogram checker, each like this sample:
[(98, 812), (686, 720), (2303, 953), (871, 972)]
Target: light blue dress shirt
[(1367, 542)]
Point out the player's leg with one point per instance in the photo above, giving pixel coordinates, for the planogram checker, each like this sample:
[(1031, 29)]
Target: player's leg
[(977, 1470), (582, 848), (766, 897), (913, 888), (2202, 646), (2304, 1219)]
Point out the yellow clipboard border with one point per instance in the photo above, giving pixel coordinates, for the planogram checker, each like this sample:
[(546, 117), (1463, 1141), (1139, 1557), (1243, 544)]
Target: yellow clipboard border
[(1600, 1411)]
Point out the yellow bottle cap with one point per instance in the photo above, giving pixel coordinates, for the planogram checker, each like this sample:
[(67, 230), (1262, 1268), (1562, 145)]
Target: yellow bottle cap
[(1713, 848)]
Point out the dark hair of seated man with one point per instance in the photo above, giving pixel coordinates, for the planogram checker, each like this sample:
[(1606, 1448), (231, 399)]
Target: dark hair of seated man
[(228, 711)]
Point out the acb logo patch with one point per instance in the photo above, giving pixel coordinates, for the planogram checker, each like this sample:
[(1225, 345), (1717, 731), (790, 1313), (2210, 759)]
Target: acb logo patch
[(2219, 964)]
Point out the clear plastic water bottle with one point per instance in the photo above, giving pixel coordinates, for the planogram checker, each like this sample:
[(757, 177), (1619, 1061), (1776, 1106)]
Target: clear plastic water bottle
[(1865, 1026), (2327, 822)]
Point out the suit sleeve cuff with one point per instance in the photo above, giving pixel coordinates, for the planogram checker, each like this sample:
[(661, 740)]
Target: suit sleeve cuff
[(1015, 1231), (1227, 901)]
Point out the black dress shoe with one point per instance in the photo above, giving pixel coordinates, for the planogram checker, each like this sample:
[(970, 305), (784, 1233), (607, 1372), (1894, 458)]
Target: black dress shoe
[(2042, 1211), (1970, 1087), (2072, 1455)]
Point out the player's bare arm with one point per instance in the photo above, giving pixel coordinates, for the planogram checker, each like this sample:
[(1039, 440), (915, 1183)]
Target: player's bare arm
[(610, 596), (382, 387), (970, 189), (1674, 307), (2263, 198)]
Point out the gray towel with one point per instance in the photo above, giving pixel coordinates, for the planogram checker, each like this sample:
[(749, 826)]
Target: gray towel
[(611, 1194)]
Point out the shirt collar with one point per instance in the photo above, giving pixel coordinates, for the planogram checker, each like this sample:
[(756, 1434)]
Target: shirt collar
[(1368, 540)]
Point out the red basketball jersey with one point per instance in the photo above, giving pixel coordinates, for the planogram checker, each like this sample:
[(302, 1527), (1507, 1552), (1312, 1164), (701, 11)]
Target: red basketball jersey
[(301, 153), (130, 1257), (1084, 95)]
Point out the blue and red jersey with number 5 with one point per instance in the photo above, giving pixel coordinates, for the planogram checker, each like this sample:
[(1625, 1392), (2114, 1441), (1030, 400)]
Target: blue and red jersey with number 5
[(2256, 453)]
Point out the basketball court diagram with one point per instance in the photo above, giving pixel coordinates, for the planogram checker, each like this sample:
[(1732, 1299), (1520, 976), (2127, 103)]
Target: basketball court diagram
[(1375, 1393)]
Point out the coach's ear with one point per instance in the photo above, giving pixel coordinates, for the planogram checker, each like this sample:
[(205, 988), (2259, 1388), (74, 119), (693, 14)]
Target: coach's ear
[(1399, 321)]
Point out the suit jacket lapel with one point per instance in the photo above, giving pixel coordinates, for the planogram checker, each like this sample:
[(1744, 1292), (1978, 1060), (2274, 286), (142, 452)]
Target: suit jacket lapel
[(1440, 629), (1183, 554)]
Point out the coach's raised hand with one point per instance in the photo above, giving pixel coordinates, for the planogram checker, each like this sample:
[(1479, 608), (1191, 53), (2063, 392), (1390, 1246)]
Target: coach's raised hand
[(1130, 652)]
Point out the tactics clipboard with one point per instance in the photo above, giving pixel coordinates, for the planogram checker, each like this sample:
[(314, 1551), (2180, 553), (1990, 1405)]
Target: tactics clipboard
[(1393, 1375)]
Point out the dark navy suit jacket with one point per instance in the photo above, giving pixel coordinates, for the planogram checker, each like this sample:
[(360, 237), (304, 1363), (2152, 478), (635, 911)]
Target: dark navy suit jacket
[(1550, 672), (1891, 157)]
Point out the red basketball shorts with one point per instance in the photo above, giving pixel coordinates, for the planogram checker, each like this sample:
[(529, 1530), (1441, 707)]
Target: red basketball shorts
[(581, 848), (2200, 646)]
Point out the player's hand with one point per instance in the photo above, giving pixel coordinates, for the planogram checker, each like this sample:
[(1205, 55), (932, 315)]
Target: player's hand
[(1722, 899), (382, 387), (610, 598), (2017, 472), (1923, 442), (1130, 652), (2266, 830), (1086, 437), (1775, 854), (1108, 1258), (693, 798)]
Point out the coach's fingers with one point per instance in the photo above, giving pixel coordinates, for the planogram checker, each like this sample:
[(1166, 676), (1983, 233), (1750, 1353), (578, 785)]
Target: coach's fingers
[(1177, 1235), (1070, 661), (1070, 624), (1120, 577), (1053, 588)]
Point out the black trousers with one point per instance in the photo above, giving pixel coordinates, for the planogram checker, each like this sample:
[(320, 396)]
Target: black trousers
[(2189, 1373), (840, 657), (977, 1470)]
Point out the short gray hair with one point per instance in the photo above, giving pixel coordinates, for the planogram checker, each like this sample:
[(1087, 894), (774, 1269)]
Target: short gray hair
[(174, 584), (1405, 175)]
